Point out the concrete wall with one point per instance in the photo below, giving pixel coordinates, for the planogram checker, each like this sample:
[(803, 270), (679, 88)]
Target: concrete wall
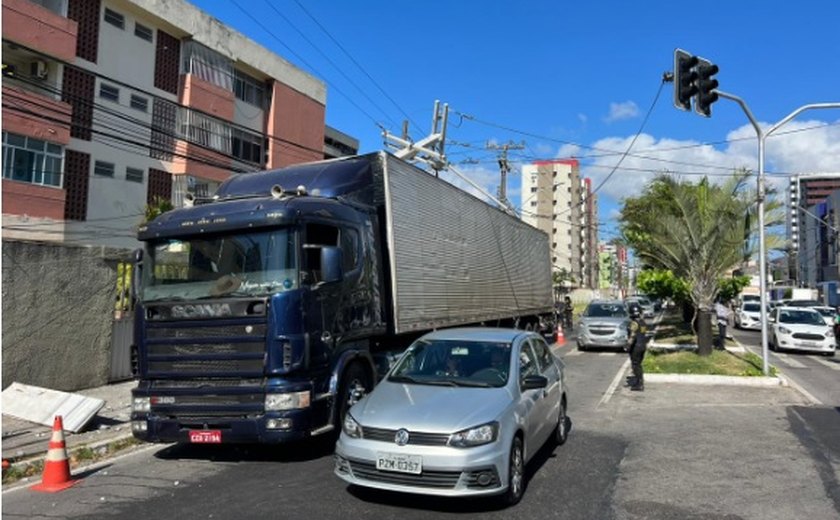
[(58, 305)]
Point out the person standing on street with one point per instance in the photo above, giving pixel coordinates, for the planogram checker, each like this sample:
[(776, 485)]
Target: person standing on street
[(638, 345), (722, 312), (568, 309)]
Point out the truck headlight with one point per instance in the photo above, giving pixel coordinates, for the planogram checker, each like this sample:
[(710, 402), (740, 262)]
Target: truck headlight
[(484, 434), (350, 427), (141, 404), (287, 401)]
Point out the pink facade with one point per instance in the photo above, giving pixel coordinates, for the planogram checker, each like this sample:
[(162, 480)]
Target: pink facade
[(296, 124), (33, 26), (23, 198), (39, 124), (202, 95)]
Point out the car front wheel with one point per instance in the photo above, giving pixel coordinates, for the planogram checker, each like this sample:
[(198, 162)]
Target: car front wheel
[(516, 473), (561, 433)]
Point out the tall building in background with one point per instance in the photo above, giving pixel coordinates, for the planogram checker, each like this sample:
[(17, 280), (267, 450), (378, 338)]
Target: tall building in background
[(806, 193), (109, 105), (551, 201), (589, 235)]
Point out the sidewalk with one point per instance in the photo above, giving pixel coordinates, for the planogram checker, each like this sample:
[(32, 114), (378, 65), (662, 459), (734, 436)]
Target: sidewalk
[(24, 441)]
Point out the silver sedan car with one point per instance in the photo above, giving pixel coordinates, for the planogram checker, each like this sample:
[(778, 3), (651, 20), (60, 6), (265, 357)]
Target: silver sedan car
[(460, 414)]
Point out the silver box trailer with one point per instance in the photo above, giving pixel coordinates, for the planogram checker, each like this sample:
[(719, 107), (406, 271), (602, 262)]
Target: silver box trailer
[(454, 259)]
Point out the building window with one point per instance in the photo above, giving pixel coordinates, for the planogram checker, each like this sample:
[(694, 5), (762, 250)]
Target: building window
[(248, 89), (143, 32), (139, 103), (533, 190), (114, 18), (247, 146), (103, 169), (32, 160), (533, 203), (207, 64), (134, 175), (204, 130), (109, 92)]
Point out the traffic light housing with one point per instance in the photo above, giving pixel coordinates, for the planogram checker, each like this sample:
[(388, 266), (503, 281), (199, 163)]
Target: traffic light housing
[(706, 86), (685, 77)]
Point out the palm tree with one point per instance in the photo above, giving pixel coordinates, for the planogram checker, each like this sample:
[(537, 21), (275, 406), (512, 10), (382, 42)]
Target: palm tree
[(695, 230)]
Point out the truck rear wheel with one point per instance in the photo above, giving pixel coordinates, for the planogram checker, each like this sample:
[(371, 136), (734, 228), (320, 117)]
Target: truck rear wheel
[(355, 384)]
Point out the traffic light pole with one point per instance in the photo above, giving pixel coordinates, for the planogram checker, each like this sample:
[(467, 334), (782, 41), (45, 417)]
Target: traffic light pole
[(762, 247)]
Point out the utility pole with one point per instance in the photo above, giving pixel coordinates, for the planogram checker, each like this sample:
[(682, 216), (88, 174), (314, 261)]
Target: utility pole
[(504, 166), (431, 149)]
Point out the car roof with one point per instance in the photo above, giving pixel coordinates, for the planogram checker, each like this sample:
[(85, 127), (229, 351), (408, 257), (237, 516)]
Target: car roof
[(610, 302), (786, 308), (492, 334)]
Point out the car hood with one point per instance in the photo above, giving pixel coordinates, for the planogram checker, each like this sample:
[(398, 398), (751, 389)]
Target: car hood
[(610, 322), (807, 329), (436, 409)]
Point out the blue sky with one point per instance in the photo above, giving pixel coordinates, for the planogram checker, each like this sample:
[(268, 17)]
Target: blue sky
[(568, 79)]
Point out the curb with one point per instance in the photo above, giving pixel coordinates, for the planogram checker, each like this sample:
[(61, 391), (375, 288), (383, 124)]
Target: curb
[(698, 379)]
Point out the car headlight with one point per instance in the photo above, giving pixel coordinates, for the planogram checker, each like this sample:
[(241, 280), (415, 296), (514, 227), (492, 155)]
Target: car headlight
[(829, 333), (484, 434), (350, 427), (784, 330), (288, 401), (141, 404)]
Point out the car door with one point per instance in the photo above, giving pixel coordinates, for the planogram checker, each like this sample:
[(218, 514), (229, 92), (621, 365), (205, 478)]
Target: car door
[(532, 399), (551, 394)]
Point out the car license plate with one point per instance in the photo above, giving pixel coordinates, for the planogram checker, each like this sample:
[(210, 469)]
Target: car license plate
[(399, 463), (810, 344), (206, 436)]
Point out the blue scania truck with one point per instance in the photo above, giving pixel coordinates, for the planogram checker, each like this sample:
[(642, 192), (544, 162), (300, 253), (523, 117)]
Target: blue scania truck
[(267, 310)]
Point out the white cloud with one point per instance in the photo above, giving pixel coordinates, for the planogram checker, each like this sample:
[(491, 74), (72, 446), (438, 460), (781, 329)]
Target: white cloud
[(619, 111)]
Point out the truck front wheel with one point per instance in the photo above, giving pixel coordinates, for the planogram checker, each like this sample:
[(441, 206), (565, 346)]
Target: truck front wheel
[(354, 385)]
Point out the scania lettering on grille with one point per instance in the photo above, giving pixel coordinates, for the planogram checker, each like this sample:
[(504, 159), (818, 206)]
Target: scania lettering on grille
[(205, 310)]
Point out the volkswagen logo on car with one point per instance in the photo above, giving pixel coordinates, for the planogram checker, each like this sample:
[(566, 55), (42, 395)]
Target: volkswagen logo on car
[(401, 437)]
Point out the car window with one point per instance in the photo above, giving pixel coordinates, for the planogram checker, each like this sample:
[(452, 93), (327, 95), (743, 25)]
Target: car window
[(805, 317), (528, 365), (606, 310), (454, 362), (544, 356)]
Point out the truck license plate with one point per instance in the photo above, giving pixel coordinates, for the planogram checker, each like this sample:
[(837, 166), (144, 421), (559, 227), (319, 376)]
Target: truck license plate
[(399, 463), (206, 436)]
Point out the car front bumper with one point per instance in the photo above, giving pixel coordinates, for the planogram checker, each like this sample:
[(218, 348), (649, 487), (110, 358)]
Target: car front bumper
[(826, 345), (446, 471), (588, 339)]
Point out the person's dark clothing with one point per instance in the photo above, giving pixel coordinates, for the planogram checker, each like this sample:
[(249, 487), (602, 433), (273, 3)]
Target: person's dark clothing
[(638, 346)]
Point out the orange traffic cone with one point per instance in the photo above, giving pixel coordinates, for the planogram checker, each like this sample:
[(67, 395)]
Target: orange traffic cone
[(56, 465), (561, 339)]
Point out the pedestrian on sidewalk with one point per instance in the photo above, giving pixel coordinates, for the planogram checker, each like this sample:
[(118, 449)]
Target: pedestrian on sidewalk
[(722, 312), (638, 346)]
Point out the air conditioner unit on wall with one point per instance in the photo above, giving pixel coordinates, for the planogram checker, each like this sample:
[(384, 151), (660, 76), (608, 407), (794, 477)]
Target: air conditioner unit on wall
[(38, 69)]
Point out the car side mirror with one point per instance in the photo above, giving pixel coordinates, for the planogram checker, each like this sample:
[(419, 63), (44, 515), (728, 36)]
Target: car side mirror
[(772, 319), (534, 382)]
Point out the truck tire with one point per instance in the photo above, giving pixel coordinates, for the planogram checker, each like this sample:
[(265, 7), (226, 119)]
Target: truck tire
[(355, 384)]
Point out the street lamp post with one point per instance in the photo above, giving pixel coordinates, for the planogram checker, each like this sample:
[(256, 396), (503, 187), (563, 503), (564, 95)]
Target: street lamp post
[(762, 248)]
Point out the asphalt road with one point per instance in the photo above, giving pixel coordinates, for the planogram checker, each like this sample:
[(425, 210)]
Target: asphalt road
[(674, 451)]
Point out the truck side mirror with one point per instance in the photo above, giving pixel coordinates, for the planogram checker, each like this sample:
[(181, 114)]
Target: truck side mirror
[(136, 274), (331, 260)]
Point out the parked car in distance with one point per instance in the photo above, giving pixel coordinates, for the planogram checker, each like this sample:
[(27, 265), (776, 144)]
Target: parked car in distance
[(748, 316), (803, 329), (647, 307), (604, 323), (827, 314), (803, 303), (460, 414)]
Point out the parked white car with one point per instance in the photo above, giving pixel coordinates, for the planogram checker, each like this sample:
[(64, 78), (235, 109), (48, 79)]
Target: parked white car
[(827, 314), (803, 329), (748, 316)]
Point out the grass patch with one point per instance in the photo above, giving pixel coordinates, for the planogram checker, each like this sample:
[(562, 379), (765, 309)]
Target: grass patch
[(720, 363)]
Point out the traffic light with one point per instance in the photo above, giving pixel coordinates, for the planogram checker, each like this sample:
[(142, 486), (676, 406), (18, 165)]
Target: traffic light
[(684, 79), (706, 86)]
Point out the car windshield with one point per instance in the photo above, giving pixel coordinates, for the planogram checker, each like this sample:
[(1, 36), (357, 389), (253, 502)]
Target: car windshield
[(804, 317), (825, 311), (454, 363), (245, 264), (752, 307), (605, 310)]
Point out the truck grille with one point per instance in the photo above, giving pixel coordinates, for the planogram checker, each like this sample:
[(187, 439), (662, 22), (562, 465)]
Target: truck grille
[(195, 348), (416, 438)]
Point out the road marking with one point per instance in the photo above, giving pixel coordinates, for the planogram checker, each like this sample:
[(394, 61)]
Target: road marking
[(605, 354), (616, 380), (830, 364), (789, 361), (574, 353)]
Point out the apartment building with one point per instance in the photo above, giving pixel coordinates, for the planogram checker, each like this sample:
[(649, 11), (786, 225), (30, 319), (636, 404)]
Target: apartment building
[(808, 194), (552, 202), (589, 236), (110, 105)]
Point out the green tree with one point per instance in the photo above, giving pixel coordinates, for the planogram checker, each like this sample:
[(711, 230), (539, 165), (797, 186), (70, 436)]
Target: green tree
[(662, 283), (699, 232), (157, 207)]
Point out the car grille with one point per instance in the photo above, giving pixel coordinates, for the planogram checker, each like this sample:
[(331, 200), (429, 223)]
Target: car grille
[(427, 479), (601, 331), (803, 335), (416, 438)]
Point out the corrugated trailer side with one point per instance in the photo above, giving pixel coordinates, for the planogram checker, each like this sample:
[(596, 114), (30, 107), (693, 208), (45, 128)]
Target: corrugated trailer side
[(455, 259)]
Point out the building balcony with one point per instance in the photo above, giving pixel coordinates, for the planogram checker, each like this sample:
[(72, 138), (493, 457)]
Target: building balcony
[(41, 29), (32, 114)]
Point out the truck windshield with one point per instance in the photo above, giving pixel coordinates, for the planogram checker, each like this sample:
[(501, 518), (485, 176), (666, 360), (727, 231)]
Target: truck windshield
[(244, 264)]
